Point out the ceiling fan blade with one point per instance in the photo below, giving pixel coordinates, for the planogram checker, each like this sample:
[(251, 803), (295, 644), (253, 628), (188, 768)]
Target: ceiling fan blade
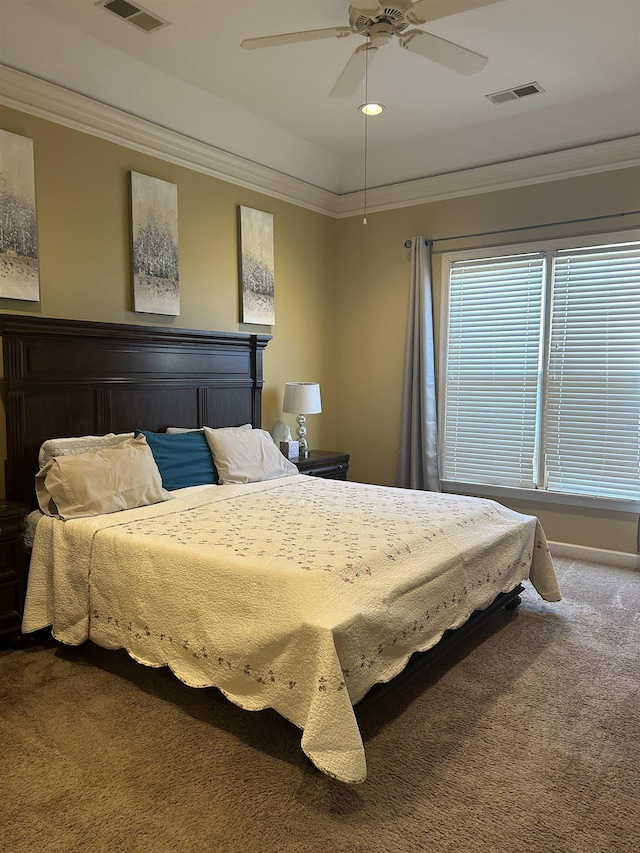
[(293, 38), (430, 10), (354, 71), (444, 52)]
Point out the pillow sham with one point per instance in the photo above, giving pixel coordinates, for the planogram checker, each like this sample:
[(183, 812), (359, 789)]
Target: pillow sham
[(247, 456), (184, 459), (179, 430), (80, 444), (121, 476)]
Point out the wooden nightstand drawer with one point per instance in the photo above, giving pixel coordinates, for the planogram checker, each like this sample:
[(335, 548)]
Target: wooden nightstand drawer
[(338, 472), (12, 517), (329, 464), (11, 527), (10, 560), (10, 606)]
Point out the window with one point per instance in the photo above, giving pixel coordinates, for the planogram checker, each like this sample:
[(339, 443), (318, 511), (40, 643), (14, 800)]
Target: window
[(541, 385)]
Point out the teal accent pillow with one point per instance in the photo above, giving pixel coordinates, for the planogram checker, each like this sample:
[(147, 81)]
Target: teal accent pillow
[(183, 460)]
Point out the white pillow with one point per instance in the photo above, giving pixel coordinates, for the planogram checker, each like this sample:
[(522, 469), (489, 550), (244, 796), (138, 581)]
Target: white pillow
[(81, 444), (247, 456), (121, 476), (178, 430)]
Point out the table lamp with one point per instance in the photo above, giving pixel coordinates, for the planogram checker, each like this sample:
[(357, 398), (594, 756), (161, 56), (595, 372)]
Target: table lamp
[(302, 398)]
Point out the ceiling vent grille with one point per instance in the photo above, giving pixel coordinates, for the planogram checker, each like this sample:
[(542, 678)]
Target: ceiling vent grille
[(134, 14), (515, 94)]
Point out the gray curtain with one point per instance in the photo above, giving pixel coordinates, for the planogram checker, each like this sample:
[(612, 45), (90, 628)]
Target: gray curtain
[(418, 454)]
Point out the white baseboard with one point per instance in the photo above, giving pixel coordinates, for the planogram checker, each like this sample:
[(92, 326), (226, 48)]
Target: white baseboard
[(596, 555)]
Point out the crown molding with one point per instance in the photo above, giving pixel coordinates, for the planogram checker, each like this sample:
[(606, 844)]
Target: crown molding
[(46, 100), (554, 166)]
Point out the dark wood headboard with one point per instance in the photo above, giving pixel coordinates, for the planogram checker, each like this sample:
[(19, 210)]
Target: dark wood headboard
[(70, 378)]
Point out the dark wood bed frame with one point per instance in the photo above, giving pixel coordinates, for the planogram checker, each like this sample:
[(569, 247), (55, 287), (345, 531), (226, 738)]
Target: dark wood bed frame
[(71, 378)]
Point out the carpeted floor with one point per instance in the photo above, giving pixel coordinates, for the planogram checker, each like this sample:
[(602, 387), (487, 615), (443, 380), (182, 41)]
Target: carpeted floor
[(526, 739)]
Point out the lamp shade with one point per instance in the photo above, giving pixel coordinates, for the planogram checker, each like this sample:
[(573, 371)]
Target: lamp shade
[(302, 398)]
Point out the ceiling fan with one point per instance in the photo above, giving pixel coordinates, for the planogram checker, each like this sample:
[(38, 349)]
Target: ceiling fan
[(379, 22)]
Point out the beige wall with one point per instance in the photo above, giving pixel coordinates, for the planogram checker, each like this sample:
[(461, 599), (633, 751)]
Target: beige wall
[(82, 199), (341, 286), (373, 282)]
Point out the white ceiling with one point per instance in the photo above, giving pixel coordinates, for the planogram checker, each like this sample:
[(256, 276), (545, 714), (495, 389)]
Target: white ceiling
[(272, 106)]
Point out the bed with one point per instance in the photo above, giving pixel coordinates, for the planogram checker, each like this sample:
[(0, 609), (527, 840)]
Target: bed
[(290, 592)]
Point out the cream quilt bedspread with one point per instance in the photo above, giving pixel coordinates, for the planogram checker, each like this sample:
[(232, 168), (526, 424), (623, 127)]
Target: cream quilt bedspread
[(297, 594)]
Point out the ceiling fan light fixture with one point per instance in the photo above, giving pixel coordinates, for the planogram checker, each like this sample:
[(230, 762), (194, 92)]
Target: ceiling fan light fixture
[(378, 21), (371, 109)]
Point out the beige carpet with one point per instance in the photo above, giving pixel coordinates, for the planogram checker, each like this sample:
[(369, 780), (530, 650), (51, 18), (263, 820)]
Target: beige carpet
[(525, 739)]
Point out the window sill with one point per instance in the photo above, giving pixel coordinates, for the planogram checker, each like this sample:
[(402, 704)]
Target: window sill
[(540, 496)]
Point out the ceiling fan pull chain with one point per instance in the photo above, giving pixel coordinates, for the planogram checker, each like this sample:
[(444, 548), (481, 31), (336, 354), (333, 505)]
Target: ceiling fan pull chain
[(366, 129)]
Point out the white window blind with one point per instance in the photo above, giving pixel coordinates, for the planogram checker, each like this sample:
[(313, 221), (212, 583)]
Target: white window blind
[(492, 370), (592, 426), (542, 372)]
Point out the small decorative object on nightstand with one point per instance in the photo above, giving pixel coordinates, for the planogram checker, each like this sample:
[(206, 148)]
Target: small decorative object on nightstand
[(12, 515), (330, 464), (290, 449)]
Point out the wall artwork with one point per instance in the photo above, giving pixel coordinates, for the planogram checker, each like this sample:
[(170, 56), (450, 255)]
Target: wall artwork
[(19, 269), (257, 267), (154, 235)]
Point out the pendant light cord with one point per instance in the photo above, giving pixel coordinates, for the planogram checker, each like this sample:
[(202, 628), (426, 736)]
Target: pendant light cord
[(366, 128)]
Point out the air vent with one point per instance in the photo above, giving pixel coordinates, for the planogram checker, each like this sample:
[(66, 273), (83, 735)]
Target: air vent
[(515, 94), (391, 14), (134, 14)]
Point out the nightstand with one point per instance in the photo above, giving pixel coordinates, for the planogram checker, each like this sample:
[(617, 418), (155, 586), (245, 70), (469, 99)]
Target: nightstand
[(12, 515), (330, 464)]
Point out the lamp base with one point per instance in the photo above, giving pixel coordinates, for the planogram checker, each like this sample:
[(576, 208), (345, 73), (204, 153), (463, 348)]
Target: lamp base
[(302, 435)]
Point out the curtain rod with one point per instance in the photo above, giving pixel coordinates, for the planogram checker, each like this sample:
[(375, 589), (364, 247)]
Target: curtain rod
[(407, 243)]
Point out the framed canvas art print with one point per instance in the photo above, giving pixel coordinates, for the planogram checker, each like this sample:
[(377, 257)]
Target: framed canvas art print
[(257, 267), (154, 235), (19, 268)]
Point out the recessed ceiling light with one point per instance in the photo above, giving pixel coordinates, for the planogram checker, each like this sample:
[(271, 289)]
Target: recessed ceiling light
[(371, 109)]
